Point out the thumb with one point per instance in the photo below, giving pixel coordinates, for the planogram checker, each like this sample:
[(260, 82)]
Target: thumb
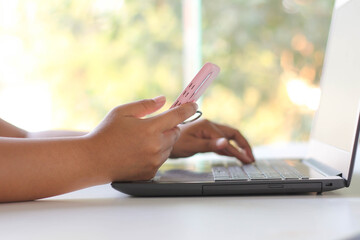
[(143, 107)]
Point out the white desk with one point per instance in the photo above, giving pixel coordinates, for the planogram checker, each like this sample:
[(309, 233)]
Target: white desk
[(102, 213)]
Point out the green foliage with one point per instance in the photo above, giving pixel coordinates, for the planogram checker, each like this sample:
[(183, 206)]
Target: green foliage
[(97, 54), (260, 46)]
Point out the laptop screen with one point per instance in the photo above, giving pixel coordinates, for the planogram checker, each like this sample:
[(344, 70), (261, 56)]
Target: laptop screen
[(337, 117)]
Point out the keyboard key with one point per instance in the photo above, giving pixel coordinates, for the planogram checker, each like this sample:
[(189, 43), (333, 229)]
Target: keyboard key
[(285, 172), (253, 172), (261, 170), (300, 168), (268, 171), (237, 173), (256, 176), (221, 174)]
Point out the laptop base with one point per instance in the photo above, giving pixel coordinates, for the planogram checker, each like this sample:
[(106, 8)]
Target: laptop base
[(152, 189)]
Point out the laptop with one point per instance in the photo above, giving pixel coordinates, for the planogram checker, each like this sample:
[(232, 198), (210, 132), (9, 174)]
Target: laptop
[(332, 146)]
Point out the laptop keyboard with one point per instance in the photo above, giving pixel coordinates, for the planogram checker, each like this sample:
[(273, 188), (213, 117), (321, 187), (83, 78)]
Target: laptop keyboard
[(261, 170)]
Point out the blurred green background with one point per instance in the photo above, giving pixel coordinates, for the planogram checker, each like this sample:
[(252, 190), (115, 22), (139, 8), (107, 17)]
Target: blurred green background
[(65, 64)]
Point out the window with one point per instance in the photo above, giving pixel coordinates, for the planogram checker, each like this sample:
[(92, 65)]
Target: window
[(65, 64)]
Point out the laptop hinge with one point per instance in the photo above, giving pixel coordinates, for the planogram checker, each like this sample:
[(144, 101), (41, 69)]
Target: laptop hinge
[(322, 168)]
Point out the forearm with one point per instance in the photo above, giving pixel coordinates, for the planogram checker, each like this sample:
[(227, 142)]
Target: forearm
[(9, 130), (37, 168), (54, 133)]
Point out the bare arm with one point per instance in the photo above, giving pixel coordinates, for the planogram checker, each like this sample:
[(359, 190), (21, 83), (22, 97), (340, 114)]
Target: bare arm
[(123, 147), (28, 163), (9, 130), (54, 133), (37, 168)]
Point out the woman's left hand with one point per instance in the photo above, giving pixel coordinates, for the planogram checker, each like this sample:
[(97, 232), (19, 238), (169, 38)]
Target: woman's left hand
[(206, 136)]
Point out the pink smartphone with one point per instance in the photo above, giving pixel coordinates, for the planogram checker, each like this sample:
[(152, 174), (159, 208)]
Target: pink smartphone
[(198, 85)]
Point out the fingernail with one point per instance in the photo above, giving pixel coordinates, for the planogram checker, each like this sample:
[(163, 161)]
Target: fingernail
[(159, 99)]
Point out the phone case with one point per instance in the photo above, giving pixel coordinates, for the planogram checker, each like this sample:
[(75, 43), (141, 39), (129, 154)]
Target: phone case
[(198, 85)]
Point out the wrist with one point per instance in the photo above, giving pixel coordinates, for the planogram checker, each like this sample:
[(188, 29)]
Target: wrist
[(93, 161)]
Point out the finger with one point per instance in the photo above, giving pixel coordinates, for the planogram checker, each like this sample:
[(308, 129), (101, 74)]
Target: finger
[(143, 107), (240, 140), (208, 145), (223, 147), (221, 144), (173, 117), (170, 137), (238, 153)]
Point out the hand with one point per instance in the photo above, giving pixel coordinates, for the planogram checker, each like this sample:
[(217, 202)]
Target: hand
[(128, 147), (206, 136)]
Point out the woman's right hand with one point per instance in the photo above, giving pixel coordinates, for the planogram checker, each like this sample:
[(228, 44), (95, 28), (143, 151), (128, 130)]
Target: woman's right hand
[(127, 147)]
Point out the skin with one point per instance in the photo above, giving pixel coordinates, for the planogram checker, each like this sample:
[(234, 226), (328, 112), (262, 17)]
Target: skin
[(125, 146)]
